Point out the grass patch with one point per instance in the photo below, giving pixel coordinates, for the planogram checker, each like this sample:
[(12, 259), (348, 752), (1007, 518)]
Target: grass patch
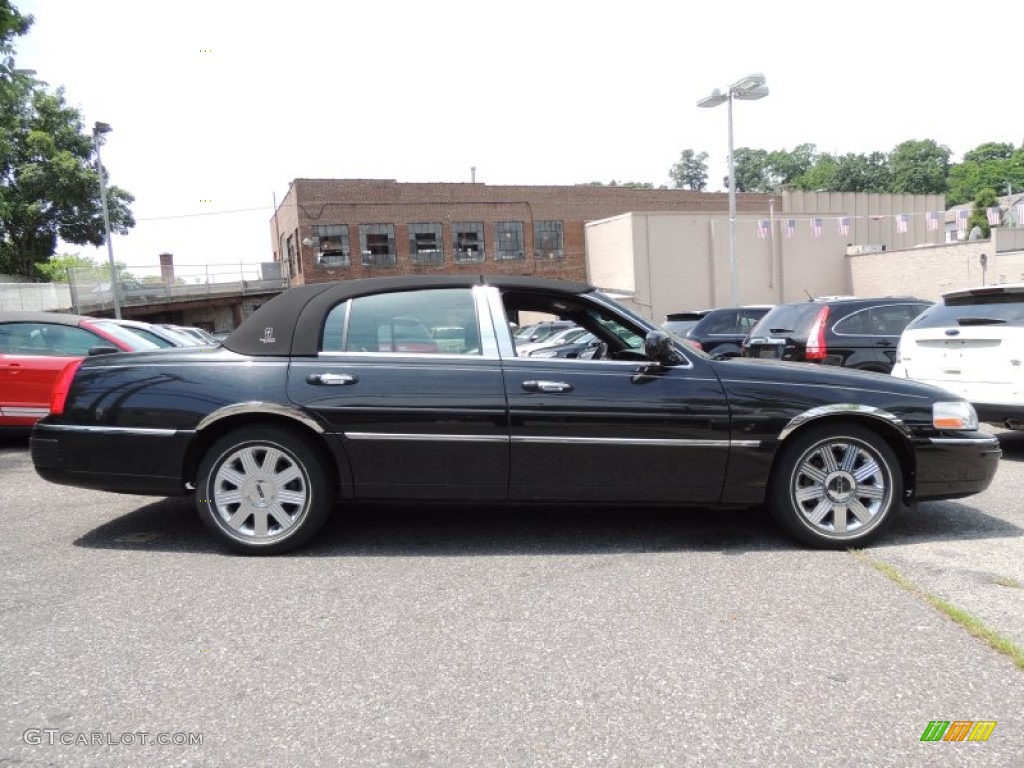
[(1006, 581), (974, 626)]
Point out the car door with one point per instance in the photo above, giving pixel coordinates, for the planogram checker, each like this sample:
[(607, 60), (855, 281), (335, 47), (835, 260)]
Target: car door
[(417, 419), (614, 430), (35, 353)]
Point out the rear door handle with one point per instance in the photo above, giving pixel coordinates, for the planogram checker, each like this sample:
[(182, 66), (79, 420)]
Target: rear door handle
[(331, 379), (539, 385)]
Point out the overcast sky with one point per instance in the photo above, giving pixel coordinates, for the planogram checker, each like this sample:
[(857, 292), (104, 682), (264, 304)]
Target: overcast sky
[(227, 101)]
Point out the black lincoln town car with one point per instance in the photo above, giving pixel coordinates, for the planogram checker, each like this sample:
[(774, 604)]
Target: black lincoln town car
[(338, 392)]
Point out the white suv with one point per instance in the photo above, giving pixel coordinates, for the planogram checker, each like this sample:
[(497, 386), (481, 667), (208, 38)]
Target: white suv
[(972, 343)]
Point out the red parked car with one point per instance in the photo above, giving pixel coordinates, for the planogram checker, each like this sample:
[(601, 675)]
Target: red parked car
[(35, 347)]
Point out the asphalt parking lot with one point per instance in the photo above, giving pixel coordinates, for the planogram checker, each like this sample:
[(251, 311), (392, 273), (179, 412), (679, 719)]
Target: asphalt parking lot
[(482, 637)]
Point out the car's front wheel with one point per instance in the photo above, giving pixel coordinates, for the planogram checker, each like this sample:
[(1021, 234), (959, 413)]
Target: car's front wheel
[(263, 490), (836, 486)]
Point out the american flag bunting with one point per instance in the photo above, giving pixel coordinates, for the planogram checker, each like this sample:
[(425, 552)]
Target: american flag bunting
[(790, 227), (994, 216), (961, 220), (933, 220), (844, 226), (762, 228), (816, 227), (901, 222)]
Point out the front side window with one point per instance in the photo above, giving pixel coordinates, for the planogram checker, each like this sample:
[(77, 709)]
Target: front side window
[(508, 240), (44, 339), (425, 244), (441, 321), (377, 245), (468, 237), (547, 240), (332, 246)]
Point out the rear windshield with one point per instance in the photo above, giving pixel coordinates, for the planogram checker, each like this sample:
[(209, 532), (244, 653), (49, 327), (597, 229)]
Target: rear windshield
[(988, 309), (790, 319)]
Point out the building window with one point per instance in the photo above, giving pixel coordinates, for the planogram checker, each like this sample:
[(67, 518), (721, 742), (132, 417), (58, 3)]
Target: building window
[(377, 245), (298, 258), (332, 248), (425, 244), (508, 240), (290, 245), (468, 237), (547, 240)]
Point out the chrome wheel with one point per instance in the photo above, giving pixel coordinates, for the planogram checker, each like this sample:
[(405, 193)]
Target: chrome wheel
[(260, 492), (840, 487), (264, 489), (836, 486)]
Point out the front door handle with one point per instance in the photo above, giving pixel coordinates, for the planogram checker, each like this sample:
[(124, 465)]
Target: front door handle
[(331, 379), (535, 385)]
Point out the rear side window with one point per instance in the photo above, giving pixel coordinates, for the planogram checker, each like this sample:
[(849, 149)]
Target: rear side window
[(46, 339), (985, 309), (883, 320), (405, 323), (790, 319)]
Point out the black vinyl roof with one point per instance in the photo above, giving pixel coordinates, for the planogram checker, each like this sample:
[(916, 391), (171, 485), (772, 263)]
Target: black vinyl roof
[(290, 323)]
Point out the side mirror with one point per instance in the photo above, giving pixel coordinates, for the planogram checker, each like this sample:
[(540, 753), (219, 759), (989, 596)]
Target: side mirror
[(104, 350), (659, 347)]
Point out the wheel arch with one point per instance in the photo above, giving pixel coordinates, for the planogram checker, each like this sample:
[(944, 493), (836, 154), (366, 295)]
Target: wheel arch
[(222, 421), (887, 426)]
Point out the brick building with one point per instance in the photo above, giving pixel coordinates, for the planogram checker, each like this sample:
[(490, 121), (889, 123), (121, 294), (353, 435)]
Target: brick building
[(340, 229)]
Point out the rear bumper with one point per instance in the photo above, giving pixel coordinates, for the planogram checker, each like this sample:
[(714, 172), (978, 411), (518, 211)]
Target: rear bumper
[(951, 468), (1010, 416), (148, 462)]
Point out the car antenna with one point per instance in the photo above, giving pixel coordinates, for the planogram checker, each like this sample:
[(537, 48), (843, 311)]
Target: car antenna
[(809, 297)]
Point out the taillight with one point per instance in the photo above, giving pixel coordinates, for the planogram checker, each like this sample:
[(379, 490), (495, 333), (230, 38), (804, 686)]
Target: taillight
[(695, 344), (816, 347), (61, 387)]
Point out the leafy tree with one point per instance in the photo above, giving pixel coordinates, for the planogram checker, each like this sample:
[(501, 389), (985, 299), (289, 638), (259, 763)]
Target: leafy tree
[(919, 167), (998, 166), (985, 153), (690, 171), (49, 187), (784, 167), (55, 269), (984, 200), (752, 173)]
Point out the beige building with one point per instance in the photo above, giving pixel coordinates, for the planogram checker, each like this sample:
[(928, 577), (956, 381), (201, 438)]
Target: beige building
[(806, 246)]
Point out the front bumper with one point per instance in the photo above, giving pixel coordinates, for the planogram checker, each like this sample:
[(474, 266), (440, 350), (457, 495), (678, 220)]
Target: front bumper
[(954, 467)]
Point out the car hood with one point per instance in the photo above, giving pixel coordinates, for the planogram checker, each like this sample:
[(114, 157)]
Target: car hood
[(782, 372)]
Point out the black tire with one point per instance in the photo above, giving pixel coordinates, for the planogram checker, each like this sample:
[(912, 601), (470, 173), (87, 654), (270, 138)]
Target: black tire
[(836, 486), (257, 508)]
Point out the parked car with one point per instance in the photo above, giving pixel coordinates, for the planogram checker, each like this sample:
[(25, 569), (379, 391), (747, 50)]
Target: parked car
[(584, 346), (200, 335), (299, 409), (531, 334), (36, 346), (681, 322), (563, 336), (835, 330), (720, 332), (160, 335), (971, 342)]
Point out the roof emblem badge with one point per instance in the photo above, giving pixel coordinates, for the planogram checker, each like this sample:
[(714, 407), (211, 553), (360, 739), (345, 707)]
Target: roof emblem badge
[(268, 336)]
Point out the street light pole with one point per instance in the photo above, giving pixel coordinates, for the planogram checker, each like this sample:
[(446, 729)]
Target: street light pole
[(750, 88), (98, 131)]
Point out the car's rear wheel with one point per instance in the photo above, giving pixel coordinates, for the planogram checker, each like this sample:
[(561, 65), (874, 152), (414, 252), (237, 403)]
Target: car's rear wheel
[(263, 490), (836, 486)]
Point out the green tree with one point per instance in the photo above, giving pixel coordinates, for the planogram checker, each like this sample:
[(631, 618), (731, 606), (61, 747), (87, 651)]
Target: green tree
[(690, 171), (994, 165), (919, 167), (49, 187), (55, 269), (751, 171), (984, 200)]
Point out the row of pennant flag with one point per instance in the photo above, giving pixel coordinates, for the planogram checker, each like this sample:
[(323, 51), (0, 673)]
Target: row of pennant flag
[(932, 218)]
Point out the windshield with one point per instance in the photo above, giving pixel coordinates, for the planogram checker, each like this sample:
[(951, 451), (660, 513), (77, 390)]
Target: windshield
[(127, 338)]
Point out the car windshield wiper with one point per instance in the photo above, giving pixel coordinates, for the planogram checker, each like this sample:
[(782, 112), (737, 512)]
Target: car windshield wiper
[(979, 321)]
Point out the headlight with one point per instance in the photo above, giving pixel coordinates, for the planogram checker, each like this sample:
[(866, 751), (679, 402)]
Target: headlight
[(958, 414)]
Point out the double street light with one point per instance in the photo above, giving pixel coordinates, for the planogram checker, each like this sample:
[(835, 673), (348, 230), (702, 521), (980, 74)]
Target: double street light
[(750, 88), (99, 130)]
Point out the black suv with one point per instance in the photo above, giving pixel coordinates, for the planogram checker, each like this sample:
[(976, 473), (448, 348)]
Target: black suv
[(846, 331), (719, 332)]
